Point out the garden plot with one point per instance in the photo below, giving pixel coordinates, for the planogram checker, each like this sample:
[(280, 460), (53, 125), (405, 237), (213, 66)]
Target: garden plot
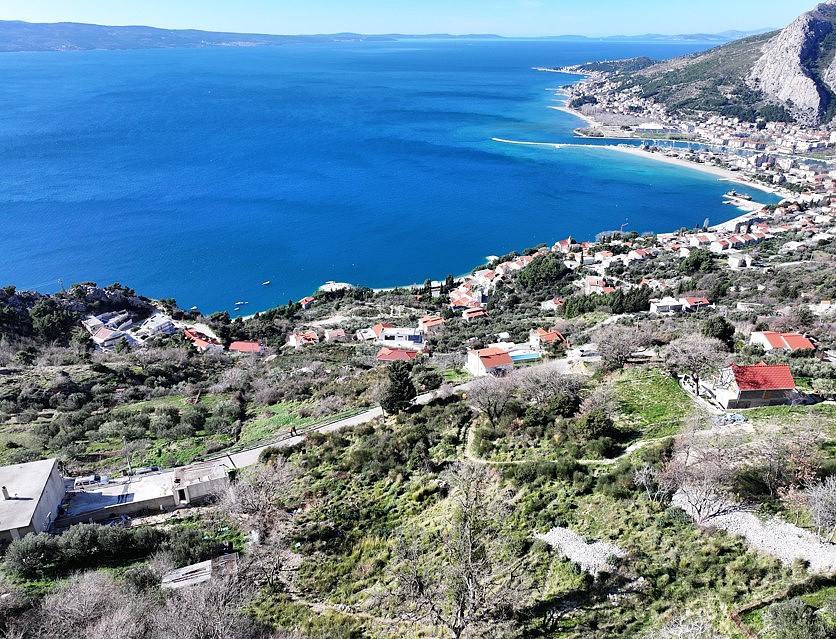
[(592, 557), (773, 536)]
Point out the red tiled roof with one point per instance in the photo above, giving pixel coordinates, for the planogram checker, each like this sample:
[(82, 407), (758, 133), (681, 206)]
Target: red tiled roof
[(378, 328), (763, 377), (395, 355), (550, 336), (245, 347), (791, 341), (494, 357), (432, 321), (798, 342)]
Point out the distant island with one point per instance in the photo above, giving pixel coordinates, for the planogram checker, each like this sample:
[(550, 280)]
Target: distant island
[(72, 36)]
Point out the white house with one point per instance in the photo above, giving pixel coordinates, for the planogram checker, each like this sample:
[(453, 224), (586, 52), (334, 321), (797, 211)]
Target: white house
[(740, 260), (489, 361), (394, 337), (303, 338), (666, 306)]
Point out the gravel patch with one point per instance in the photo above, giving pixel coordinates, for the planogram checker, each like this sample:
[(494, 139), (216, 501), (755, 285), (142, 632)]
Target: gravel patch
[(591, 557), (774, 536)]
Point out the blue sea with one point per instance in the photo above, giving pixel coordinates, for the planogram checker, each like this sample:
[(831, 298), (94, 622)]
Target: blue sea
[(199, 174)]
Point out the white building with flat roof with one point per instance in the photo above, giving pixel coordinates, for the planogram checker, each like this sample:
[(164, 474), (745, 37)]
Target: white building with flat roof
[(30, 495)]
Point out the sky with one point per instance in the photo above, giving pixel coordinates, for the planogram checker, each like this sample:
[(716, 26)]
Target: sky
[(503, 17)]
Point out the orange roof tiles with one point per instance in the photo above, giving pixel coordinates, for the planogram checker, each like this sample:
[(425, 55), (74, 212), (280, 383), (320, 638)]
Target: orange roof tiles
[(395, 355), (763, 377), (494, 357)]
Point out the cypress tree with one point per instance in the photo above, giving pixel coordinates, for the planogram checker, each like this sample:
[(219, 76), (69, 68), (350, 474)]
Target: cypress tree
[(401, 390)]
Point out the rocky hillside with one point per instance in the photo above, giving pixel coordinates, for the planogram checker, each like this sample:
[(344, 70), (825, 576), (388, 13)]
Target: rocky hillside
[(783, 75), (797, 67)]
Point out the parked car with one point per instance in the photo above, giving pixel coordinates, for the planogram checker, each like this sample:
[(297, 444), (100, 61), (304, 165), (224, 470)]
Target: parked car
[(90, 480), (144, 470)]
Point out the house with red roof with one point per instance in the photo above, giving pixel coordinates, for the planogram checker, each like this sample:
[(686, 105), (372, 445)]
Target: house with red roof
[(202, 341), (246, 347), (373, 333), (564, 246), (303, 338), (772, 341), (335, 335), (553, 304), (489, 361), (541, 338), (387, 354), (740, 387), (694, 303), (431, 323), (474, 313), (306, 302)]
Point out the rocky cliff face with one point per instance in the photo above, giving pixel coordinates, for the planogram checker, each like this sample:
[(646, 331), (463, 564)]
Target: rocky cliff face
[(797, 68)]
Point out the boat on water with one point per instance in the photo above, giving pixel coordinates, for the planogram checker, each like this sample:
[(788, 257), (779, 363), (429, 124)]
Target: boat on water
[(740, 196), (240, 303), (267, 283)]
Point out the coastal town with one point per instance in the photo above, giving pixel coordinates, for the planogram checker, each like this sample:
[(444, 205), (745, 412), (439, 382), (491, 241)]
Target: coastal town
[(787, 155), (625, 435)]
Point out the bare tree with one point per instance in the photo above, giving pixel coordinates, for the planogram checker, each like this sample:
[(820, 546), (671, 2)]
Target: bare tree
[(492, 396), (542, 384), (702, 476), (657, 486), (84, 607), (685, 628), (213, 610), (695, 356), (601, 399), (617, 343), (460, 578), (821, 498), (260, 495), (271, 564)]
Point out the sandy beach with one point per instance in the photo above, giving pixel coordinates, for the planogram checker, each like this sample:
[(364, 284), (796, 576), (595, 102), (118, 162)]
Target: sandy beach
[(577, 114)]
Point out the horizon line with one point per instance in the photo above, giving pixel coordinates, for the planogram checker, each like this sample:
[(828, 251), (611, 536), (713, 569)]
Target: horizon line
[(400, 33)]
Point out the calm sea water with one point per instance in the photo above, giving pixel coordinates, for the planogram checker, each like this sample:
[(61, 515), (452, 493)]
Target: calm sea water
[(199, 174)]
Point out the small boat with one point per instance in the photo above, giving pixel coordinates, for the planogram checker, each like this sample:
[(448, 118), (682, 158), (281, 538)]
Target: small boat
[(240, 303), (267, 283)]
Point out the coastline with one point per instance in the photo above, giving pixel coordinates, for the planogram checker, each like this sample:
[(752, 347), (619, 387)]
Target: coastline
[(721, 173)]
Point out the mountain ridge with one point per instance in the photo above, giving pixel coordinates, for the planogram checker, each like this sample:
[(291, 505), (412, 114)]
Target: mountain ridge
[(16, 36), (786, 75)]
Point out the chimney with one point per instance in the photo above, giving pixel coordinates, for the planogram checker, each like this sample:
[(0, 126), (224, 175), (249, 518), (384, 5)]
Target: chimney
[(5, 494)]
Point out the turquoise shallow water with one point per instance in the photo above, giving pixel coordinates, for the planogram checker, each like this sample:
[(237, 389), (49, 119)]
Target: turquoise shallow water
[(199, 174)]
